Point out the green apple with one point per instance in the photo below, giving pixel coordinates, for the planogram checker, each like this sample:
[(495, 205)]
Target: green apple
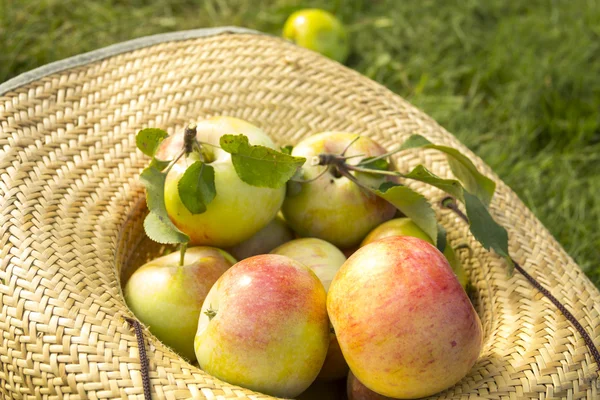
[(274, 234), (239, 210), (405, 325), (320, 31), (325, 260), (332, 207), (406, 227), (264, 326), (168, 297)]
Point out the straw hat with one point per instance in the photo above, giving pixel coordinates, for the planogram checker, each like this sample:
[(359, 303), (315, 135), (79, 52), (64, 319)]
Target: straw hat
[(72, 210)]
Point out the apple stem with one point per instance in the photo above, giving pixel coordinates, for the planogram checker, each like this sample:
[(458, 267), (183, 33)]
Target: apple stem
[(182, 250), (349, 144), (312, 179), (374, 171), (189, 138), (384, 155), (210, 313), (450, 203), (175, 160)]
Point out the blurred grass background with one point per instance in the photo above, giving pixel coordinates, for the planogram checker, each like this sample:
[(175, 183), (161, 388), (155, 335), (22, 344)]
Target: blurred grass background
[(518, 82)]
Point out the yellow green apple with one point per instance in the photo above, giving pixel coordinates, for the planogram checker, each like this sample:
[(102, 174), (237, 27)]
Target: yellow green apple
[(274, 234), (320, 31), (239, 210), (332, 207), (406, 227), (325, 260), (264, 326), (168, 297), (404, 323)]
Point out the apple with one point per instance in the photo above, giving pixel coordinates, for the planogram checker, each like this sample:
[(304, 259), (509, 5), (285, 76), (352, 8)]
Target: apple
[(264, 326), (320, 390), (406, 227), (332, 207), (320, 31), (404, 323), (357, 391), (325, 260), (239, 210), (274, 234), (320, 256), (168, 297)]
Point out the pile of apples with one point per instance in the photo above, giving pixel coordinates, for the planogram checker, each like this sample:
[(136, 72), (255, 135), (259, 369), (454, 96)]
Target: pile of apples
[(266, 299)]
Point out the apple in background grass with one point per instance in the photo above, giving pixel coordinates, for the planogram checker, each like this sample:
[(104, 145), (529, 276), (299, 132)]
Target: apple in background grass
[(320, 31), (168, 297), (274, 234), (264, 326), (332, 207), (239, 210), (325, 260), (406, 227), (404, 323), (357, 391)]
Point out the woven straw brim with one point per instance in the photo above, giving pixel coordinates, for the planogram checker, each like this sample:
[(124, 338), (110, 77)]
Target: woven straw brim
[(72, 210)]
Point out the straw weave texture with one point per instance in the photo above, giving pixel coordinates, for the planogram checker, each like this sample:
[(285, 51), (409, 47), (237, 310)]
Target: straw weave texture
[(71, 212)]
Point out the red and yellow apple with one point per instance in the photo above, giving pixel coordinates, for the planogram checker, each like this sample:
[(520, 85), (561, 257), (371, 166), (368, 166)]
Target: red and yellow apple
[(325, 260), (168, 297), (264, 326), (332, 207), (404, 323), (239, 210), (274, 234), (407, 227)]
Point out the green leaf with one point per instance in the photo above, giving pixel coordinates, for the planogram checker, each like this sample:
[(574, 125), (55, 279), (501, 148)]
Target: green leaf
[(411, 204), (197, 187), (441, 238), (159, 164), (414, 142), (148, 140), (260, 165), (161, 230), (450, 186), (462, 167), (483, 227), (380, 164), (159, 227), (287, 149)]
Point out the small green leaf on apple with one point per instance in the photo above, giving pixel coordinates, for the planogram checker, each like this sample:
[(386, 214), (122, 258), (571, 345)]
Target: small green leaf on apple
[(161, 230), (157, 224), (197, 187), (259, 165), (462, 167), (441, 238), (487, 231), (413, 205), (148, 140), (450, 186), (287, 149), (376, 163)]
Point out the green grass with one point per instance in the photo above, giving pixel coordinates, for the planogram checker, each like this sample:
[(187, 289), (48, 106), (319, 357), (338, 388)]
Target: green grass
[(518, 82)]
